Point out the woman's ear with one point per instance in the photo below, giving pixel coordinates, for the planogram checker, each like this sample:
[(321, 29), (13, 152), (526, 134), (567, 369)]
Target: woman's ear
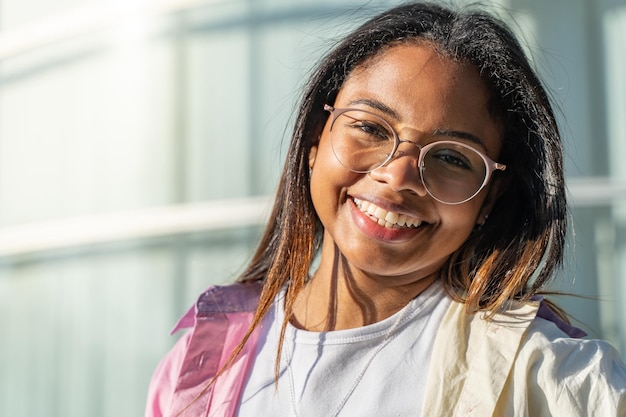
[(312, 155), (498, 186)]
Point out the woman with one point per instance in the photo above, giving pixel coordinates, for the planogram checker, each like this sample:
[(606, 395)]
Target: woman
[(425, 174)]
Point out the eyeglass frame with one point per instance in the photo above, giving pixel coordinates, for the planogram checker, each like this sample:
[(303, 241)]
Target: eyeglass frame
[(490, 164)]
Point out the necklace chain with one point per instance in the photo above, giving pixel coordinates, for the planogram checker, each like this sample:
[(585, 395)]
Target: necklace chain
[(388, 337)]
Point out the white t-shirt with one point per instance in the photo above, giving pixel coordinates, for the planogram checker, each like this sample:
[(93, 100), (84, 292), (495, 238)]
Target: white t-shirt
[(376, 370)]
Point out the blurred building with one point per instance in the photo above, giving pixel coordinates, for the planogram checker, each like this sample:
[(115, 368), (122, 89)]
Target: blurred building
[(141, 142)]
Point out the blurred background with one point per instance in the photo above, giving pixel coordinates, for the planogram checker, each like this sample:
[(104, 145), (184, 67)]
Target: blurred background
[(140, 145)]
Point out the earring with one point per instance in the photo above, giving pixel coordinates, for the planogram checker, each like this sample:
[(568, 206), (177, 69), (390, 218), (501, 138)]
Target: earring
[(481, 224)]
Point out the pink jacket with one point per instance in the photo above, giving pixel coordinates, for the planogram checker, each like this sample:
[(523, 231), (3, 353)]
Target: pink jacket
[(219, 320)]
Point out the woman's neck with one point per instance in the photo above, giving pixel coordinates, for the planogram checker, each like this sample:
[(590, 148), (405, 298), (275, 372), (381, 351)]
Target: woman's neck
[(338, 298)]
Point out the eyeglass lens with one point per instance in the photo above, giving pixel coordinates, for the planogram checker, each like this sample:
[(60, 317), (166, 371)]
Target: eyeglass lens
[(451, 172)]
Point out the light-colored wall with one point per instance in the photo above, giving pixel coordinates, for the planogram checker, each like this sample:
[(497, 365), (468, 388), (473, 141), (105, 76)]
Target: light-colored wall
[(138, 115)]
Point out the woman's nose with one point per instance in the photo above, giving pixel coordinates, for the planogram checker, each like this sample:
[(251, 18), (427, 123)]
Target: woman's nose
[(402, 172)]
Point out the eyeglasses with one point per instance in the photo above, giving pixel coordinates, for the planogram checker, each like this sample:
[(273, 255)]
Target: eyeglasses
[(452, 172)]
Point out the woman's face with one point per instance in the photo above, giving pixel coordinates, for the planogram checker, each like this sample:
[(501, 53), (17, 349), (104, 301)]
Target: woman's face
[(426, 98)]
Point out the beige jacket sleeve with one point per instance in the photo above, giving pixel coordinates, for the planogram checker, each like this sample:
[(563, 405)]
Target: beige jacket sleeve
[(564, 377), (517, 365)]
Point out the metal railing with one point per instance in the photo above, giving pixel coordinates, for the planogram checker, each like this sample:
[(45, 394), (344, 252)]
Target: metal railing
[(204, 217), (132, 225)]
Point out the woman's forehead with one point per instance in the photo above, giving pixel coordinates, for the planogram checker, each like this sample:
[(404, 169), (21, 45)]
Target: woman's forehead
[(424, 90)]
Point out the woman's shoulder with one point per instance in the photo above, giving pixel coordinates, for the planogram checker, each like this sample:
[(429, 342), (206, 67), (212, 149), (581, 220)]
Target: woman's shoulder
[(237, 297), (217, 299), (546, 336), (565, 373)]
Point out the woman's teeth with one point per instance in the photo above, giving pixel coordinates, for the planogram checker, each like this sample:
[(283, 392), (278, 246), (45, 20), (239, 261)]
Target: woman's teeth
[(386, 218)]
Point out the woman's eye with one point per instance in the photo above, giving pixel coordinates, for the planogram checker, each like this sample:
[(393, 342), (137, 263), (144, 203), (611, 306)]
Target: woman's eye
[(453, 158), (374, 129)]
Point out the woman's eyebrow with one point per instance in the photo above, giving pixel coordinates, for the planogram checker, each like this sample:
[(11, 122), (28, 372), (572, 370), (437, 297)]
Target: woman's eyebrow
[(460, 135), (378, 105), (382, 107)]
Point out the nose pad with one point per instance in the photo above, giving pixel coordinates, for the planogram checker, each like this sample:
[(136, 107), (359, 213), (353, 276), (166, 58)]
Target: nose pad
[(402, 171)]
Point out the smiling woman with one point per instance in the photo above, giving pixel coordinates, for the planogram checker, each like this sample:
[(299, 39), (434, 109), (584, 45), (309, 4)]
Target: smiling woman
[(425, 173), (446, 96)]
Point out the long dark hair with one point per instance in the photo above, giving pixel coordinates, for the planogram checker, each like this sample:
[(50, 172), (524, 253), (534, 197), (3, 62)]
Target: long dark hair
[(516, 252)]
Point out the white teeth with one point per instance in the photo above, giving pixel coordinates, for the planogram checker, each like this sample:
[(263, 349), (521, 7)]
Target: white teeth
[(392, 217), (386, 218), (413, 222)]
